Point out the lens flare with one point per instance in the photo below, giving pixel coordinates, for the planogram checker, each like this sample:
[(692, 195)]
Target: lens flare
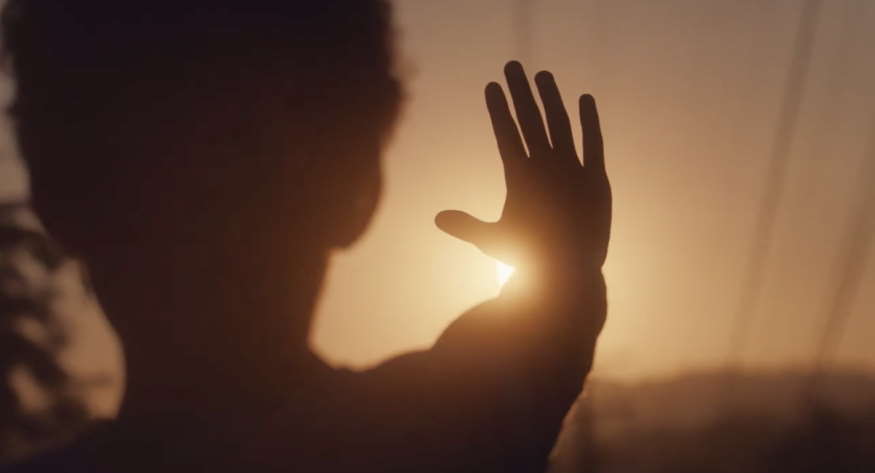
[(503, 272)]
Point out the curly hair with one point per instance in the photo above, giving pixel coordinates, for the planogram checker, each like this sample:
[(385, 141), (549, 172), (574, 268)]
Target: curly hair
[(98, 79), (63, 52)]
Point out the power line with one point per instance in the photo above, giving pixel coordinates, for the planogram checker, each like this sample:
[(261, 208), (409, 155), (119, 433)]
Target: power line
[(857, 240), (523, 31), (763, 237), (858, 237)]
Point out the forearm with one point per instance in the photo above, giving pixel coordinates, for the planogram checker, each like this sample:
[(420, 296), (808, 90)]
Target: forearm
[(564, 309), (521, 359), (563, 315)]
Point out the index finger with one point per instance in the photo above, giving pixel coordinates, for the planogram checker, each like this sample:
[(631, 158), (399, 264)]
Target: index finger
[(510, 145)]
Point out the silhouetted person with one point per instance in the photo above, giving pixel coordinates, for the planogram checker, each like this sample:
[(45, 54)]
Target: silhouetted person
[(205, 158)]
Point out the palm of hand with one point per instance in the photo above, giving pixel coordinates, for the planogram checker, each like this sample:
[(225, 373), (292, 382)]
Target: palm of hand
[(557, 210)]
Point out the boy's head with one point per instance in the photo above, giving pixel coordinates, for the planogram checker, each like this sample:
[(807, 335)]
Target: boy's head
[(176, 121)]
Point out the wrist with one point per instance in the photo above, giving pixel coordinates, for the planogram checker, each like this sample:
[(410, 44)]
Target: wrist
[(557, 277)]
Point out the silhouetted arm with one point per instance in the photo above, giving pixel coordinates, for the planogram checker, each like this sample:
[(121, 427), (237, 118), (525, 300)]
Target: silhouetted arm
[(494, 389), (491, 395)]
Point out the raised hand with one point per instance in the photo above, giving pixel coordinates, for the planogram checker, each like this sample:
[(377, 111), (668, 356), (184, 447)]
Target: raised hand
[(557, 213)]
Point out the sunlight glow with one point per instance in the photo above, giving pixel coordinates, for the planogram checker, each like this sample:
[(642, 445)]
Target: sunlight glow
[(503, 272)]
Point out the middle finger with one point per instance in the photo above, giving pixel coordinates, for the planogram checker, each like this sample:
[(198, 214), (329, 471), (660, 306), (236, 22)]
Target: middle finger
[(527, 113)]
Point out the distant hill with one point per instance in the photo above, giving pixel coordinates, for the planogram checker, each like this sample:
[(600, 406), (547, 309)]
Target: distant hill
[(724, 422)]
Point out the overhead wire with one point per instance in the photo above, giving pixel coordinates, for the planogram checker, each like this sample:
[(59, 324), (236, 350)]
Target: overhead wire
[(775, 181), (852, 261), (523, 30)]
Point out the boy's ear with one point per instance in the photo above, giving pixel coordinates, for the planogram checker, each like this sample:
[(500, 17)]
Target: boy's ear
[(351, 209)]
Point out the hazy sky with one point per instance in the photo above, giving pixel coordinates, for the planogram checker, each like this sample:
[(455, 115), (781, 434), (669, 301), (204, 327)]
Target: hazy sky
[(689, 92)]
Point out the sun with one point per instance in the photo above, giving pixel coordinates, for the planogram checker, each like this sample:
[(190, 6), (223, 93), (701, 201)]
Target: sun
[(503, 272)]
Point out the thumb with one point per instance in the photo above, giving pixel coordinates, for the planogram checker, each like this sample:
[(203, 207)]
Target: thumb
[(465, 227)]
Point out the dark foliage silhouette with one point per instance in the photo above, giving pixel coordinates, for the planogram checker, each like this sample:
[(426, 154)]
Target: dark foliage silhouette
[(29, 263), (205, 159)]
